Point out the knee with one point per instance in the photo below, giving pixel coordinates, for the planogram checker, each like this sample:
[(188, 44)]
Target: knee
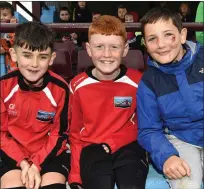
[(53, 178), (186, 183), (15, 176)]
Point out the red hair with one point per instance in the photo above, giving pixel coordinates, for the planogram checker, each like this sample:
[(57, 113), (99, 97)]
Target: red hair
[(108, 25)]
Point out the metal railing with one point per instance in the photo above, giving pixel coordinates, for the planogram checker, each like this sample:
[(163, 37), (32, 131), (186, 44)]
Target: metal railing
[(78, 27)]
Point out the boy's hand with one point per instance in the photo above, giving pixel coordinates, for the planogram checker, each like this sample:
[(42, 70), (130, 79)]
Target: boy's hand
[(13, 20), (34, 178), (176, 168), (24, 165)]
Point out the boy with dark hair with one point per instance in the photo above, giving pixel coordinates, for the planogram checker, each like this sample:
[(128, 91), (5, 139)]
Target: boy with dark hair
[(170, 100), (122, 10), (34, 111), (7, 16), (103, 125)]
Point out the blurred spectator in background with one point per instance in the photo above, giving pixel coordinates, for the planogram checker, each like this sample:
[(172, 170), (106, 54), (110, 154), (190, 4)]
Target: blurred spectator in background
[(200, 18), (81, 13), (95, 15), (7, 39), (64, 17), (134, 40), (122, 10), (186, 16)]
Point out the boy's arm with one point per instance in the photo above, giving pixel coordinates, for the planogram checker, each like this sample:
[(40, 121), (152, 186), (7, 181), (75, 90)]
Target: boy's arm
[(57, 136), (76, 124), (151, 131), (10, 150)]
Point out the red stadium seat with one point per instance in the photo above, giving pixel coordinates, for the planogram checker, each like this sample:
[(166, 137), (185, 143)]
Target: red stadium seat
[(62, 64), (84, 61)]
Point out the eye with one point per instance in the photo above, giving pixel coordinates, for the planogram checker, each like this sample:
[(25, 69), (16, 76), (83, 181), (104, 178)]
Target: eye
[(27, 56), (151, 39), (99, 46), (43, 57), (168, 34)]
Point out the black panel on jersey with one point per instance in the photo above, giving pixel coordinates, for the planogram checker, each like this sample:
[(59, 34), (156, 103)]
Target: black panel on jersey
[(10, 75), (159, 82)]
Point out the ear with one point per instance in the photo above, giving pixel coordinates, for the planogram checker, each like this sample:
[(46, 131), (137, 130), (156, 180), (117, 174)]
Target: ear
[(183, 35), (88, 49), (13, 54), (53, 56), (126, 49)]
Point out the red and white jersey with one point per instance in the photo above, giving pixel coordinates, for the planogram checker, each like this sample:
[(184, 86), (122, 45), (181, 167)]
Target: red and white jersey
[(34, 121), (101, 112)]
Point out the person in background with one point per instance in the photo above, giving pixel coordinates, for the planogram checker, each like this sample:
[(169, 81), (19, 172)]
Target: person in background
[(170, 100), (64, 17), (121, 12), (186, 16), (95, 15), (104, 147), (7, 39)]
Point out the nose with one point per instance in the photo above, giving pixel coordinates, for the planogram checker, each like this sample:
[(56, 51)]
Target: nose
[(161, 43), (107, 52), (35, 63)]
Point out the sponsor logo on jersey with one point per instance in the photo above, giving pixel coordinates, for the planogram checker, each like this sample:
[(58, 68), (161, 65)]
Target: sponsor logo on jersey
[(45, 116), (122, 102), (12, 110)]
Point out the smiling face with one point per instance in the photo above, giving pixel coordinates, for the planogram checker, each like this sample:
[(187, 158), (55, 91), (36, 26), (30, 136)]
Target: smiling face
[(33, 64), (164, 41), (106, 52), (6, 14)]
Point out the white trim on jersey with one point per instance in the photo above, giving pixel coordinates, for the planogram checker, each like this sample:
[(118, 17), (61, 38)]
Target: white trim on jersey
[(127, 80), (15, 89), (49, 96), (87, 81)]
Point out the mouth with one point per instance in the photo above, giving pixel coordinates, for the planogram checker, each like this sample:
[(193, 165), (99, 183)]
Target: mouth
[(163, 53), (106, 62), (32, 71)]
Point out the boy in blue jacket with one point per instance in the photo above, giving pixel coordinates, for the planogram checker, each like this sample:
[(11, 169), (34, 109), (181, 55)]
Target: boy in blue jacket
[(170, 100)]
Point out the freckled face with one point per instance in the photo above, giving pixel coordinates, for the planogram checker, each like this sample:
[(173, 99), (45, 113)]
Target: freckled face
[(164, 41)]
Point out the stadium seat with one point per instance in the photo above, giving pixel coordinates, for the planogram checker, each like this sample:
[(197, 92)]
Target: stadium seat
[(68, 45), (135, 60), (84, 61), (62, 65)]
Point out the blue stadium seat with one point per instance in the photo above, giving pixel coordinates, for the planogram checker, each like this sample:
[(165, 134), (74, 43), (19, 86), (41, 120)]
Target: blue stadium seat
[(49, 16)]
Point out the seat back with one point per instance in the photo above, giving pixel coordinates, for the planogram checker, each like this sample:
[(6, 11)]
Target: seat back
[(69, 46), (84, 61), (134, 59), (62, 64)]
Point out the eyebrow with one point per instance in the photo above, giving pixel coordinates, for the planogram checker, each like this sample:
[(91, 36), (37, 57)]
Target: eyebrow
[(45, 54)]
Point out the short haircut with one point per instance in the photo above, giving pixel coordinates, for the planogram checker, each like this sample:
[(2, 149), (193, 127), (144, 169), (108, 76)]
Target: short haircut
[(64, 9), (6, 5), (108, 25), (34, 36), (159, 13), (122, 7)]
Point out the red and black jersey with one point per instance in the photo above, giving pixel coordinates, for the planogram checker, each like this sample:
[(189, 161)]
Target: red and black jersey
[(34, 121), (101, 112)]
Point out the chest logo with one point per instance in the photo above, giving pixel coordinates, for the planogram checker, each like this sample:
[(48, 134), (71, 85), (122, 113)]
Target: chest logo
[(201, 71), (12, 110), (122, 102), (45, 116)]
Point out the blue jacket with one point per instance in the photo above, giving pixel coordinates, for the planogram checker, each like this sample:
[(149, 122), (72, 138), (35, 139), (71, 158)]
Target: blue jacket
[(171, 96)]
